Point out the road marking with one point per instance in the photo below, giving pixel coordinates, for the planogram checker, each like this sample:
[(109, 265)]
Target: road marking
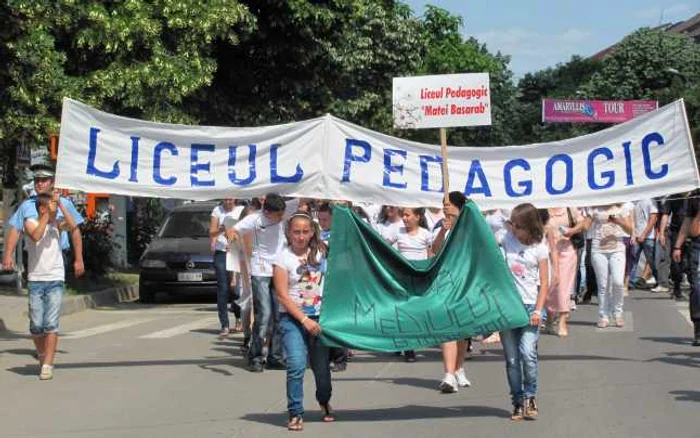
[(684, 311), (182, 329), (106, 328)]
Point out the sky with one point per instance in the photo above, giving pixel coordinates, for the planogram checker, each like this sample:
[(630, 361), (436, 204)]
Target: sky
[(541, 33)]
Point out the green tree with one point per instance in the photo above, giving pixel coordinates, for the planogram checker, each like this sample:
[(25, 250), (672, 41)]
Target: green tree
[(309, 58), (652, 64), (133, 58), (563, 81)]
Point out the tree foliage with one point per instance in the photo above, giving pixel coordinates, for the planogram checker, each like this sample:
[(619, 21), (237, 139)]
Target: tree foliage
[(310, 58), (132, 57)]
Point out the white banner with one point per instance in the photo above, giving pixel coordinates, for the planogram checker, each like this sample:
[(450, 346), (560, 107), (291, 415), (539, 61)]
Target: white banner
[(442, 101), (329, 158)]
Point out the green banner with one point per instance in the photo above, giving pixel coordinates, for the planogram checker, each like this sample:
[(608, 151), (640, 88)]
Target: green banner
[(376, 300)]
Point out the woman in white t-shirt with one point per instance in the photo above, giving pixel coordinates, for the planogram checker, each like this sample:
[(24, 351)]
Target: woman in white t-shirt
[(223, 217), (389, 221), (298, 274), (527, 256), (414, 242), (609, 225)]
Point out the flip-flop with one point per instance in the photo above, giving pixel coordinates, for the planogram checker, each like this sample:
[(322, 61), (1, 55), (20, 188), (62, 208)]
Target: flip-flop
[(328, 416), (296, 423)]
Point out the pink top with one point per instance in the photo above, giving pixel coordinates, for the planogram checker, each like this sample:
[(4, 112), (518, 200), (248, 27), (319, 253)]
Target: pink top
[(558, 217)]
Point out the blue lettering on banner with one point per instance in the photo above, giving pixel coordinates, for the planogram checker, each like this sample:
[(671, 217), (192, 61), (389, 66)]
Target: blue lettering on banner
[(549, 177), (277, 178), (653, 137), (157, 151), (608, 175), (350, 157), (390, 168), (134, 159), (508, 178), (196, 166), (425, 174), (92, 154), (476, 171), (252, 151), (628, 162)]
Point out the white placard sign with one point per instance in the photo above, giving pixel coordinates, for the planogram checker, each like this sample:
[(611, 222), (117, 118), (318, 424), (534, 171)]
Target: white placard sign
[(442, 101), (329, 158)]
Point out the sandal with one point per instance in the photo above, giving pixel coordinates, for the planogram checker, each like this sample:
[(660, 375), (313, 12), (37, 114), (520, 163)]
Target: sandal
[(328, 416), (296, 423)]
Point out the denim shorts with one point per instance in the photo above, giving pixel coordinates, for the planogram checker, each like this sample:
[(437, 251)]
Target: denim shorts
[(44, 306)]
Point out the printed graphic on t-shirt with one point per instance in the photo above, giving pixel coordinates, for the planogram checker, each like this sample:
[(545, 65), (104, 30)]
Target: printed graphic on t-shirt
[(309, 300)]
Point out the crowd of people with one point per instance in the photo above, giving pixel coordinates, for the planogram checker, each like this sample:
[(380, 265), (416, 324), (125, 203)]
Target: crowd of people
[(558, 257), (270, 258)]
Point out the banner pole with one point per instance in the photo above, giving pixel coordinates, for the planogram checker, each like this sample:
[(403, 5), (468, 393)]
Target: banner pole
[(445, 175)]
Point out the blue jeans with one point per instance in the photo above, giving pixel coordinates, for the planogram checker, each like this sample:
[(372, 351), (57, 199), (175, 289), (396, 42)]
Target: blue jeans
[(266, 320), (223, 288), (300, 344), (44, 306), (649, 248), (520, 352)]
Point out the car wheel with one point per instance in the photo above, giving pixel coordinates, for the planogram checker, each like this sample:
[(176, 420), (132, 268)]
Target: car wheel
[(146, 296)]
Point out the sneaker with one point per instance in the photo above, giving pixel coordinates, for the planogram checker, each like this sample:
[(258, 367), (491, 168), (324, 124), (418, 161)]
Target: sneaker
[(339, 367), (46, 372), (517, 414), (678, 297), (275, 365), (449, 384), (462, 380), (649, 282), (223, 334), (255, 367), (572, 307), (660, 289), (619, 321), (410, 356), (603, 323), (531, 409)]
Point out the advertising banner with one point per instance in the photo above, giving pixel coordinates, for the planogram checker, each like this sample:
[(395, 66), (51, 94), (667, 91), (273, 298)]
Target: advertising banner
[(594, 111)]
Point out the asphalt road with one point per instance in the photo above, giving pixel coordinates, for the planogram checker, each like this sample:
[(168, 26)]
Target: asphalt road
[(160, 371)]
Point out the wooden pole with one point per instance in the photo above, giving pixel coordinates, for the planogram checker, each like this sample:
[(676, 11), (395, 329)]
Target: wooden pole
[(445, 175)]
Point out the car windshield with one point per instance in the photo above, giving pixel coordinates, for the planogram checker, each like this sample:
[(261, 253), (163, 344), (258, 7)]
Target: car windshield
[(186, 224)]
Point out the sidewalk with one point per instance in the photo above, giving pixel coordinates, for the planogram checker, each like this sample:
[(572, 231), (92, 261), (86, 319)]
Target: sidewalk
[(13, 308)]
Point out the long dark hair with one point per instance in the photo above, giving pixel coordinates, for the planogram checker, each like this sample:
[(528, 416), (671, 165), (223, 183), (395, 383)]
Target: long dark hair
[(527, 218), (316, 246)]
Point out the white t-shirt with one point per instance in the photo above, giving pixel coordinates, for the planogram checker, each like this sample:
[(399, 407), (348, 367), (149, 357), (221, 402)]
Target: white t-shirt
[(607, 236), (433, 218), (524, 263), (413, 247), (305, 281), (268, 238), (221, 214), (643, 210), (372, 211), (496, 220), (45, 257), (386, 229)]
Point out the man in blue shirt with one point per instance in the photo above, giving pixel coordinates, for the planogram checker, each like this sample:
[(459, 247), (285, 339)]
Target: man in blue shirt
[(43, 183)]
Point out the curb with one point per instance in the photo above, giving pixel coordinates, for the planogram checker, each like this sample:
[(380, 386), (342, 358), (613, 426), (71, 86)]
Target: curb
[(78, 303), (73, 304)]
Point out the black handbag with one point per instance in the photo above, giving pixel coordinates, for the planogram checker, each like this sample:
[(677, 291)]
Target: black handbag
[(578, 239)]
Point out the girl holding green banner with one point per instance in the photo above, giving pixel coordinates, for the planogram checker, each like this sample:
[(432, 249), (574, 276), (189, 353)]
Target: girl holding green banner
[(526, 255), (298, 275)]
